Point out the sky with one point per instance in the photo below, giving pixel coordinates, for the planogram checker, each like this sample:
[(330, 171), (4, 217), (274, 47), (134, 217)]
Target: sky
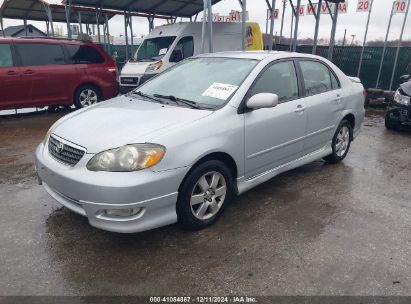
[(353, 22)]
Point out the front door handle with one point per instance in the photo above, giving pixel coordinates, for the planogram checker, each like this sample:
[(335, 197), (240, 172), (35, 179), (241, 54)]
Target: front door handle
[(11, 73), (299, 109), (29, 72)]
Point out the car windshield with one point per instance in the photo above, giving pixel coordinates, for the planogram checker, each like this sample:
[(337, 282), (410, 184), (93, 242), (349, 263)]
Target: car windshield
[(153, 49), (206, 82)]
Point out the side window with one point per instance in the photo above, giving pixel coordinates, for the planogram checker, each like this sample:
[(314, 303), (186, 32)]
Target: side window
[(280, 79), (83, 54), (316, 76), (6, 58), (334, 82), (37, 54), (186, 46)]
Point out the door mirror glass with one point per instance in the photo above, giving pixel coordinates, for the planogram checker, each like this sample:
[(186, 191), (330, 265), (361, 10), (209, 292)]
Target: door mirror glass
[(262, 100), (176, 56)]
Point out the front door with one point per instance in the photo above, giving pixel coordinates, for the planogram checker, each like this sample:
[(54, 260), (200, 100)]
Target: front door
[(275, 136)]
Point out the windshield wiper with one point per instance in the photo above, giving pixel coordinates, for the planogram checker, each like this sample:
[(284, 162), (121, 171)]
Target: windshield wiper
[(139, 93), (187, 102)]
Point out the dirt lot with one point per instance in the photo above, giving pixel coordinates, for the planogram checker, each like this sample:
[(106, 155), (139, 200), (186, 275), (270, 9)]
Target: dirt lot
[(319, 230)]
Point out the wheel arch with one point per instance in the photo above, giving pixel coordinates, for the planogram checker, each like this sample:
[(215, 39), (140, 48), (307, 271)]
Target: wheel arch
[(351, 119), (224, 157), (89, 83)]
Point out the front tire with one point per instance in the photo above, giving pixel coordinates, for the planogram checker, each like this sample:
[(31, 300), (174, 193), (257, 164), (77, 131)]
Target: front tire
[(341, 143), (86, 95), (204, 195)]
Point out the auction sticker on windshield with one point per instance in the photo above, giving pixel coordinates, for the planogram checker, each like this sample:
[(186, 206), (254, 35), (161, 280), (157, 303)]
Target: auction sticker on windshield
[(220, 90)]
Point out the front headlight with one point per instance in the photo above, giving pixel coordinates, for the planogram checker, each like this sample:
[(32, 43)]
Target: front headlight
[(127, 158), (152, 67), (401, 99)]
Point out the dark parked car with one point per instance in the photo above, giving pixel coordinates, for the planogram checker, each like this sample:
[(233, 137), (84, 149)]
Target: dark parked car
[(399, 109), (48, 72)]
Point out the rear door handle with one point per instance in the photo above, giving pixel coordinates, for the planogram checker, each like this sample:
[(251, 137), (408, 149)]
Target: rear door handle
[(299, 109), (29, 72), (11, 73)]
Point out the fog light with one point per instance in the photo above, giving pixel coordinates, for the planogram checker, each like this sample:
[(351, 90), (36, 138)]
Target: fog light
[(121, 212)]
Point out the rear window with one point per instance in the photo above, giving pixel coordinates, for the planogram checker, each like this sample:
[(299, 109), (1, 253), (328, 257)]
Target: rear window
[(83, 54), (37, 54), (6, 58)]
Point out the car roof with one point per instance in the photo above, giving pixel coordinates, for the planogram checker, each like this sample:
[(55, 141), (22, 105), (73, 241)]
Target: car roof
[(260, 55)]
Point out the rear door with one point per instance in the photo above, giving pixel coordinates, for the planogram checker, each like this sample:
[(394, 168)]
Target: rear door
[(45, 70), (12, 89), (324, 102)]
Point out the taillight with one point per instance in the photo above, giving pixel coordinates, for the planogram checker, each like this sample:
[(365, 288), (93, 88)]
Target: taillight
[(113, 71)]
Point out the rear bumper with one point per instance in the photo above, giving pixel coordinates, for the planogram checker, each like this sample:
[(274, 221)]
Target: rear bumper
[(92, 194), (110, 91)]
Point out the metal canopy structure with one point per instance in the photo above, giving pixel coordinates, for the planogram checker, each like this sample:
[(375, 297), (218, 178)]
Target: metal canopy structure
[(36, 10), (173, 8)]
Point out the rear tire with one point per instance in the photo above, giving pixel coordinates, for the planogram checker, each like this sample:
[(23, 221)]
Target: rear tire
[(341, 143), (204, 194), (86, 95)]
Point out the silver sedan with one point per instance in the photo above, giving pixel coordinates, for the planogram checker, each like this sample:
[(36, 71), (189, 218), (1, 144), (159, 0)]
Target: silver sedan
[(180, 147)]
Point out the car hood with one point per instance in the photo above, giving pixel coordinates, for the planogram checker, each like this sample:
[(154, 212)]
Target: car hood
[(123, 120), (135, 68)]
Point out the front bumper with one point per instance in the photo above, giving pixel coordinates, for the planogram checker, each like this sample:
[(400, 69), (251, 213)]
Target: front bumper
[(399, 114), (90, 193)]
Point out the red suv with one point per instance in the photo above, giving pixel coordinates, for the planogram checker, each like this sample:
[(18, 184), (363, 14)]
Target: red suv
[(46, 72)]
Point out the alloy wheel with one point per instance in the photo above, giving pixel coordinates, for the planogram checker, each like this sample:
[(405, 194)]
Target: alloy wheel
[(342, 142), (208, 195), (88, 97)]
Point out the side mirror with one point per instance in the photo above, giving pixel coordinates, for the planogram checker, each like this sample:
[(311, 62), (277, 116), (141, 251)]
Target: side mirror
[(262, 100), (176, 56)]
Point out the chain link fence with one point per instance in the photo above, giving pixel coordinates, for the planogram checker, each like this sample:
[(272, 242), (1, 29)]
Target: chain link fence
[(347, 59)]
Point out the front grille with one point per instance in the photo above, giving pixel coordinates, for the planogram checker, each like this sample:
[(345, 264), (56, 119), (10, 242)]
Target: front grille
[(129, 80), (64, 153)]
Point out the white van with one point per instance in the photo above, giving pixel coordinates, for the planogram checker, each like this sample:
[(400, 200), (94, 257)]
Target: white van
[(171, 43)]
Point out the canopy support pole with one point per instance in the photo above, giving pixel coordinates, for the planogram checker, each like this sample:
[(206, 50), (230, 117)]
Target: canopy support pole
[(2, 25), (68, 14), (203, 30), (272, 25), (399, 45), (25, 27), (243, 24), (126, 20), (210, 26), (130, 24), (79, 22), (107, 33), (98, 25)]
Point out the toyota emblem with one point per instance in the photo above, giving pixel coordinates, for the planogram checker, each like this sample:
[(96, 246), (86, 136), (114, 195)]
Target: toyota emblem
[(59, 148)]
